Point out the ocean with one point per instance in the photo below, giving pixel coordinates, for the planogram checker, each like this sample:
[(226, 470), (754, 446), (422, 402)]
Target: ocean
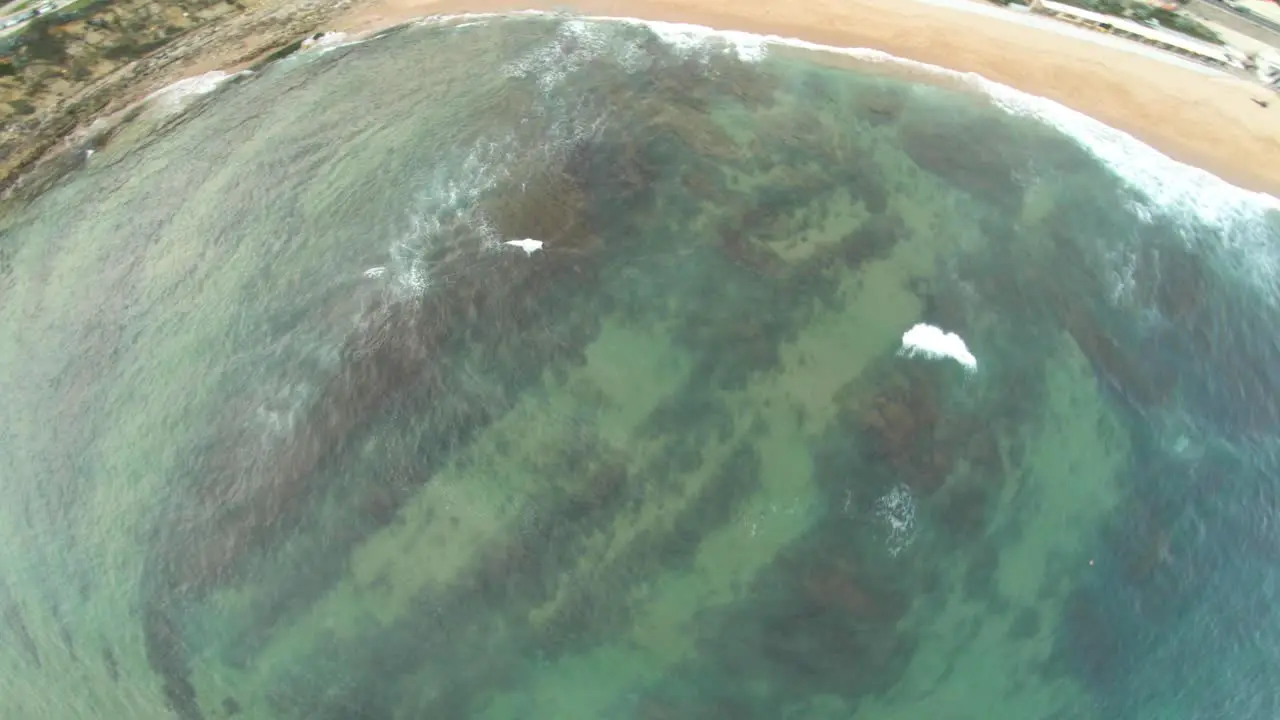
[(540, 366)]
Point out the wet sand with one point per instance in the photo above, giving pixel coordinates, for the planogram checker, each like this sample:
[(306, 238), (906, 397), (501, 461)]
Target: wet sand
[(1202, 118)]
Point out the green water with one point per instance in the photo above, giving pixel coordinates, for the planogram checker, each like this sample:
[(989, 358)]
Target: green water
[(288, 432)]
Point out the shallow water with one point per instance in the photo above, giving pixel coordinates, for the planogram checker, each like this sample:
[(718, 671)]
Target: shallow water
[(290, 432)]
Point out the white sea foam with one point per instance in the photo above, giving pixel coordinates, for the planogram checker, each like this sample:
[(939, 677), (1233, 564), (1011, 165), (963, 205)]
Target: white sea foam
[(176, 95), (1184, 192), (447, 208), (1169, 187), (528, 245), (1164, 180), (583, 39), (577, 43), (473, 19), (897, 509), (1167, 182), (450, 192), (326, 40), (699, 39), (327, 43), (932, 342)]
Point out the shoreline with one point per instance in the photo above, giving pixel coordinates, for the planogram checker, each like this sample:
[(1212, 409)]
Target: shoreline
[(1194, 115)]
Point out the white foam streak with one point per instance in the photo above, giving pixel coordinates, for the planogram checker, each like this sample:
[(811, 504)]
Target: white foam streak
[(577, 43), (934, 343), (581, 40), (326, 40), (175, 95), (1164, 180), (1165, 186), (1167, 183), (451, 191), (897, 510), (528, 245), (326, 43), (746, 46)]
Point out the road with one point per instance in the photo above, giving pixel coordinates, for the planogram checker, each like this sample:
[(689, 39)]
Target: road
[(1240, 19), (52, 5)]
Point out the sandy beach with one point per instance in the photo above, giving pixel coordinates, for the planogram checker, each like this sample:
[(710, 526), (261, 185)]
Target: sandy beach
[(1204, 119)]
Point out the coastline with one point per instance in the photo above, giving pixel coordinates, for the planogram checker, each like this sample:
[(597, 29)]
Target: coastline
[(77, 101), (1196, 115), (1201, 118), (581, 479)]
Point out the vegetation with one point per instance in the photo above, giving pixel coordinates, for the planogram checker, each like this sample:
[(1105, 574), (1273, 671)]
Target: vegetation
[(77, 8), (1176, 22), (41, 42), (40, 37)]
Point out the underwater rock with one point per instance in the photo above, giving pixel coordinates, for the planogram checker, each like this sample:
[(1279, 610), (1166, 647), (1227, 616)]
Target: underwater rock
[(813, 649), (402, 357), (943, 304), (167, 657), (1090, 639), (971, 156), (873, 239), (744, 251), (400, 351), (866, 183), (879, 104), (533, 568), (1026, 624), (963, 511), (909, 431), (704, 181), (380, 502), (110, 664), (1176, 279), (900, 424), (18, 627), (835, 586), (980, 575), (1128, 374)]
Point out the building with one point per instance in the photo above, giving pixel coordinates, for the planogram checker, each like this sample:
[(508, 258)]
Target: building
[(1124, 27)]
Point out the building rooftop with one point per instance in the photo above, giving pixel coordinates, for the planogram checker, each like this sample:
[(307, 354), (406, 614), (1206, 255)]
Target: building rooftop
[(1154, 35)]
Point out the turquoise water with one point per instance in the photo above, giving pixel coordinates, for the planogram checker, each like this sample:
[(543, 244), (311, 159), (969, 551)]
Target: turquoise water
[(289, 431)]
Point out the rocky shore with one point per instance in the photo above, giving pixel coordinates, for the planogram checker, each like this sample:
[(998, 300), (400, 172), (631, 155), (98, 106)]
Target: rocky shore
[(65, 76), (67, 79)]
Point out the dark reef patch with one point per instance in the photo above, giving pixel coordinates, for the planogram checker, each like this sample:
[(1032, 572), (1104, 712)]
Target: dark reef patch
[(110, 664)]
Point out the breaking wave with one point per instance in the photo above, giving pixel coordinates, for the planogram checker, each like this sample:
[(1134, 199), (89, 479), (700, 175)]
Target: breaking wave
[(1169, 186)]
